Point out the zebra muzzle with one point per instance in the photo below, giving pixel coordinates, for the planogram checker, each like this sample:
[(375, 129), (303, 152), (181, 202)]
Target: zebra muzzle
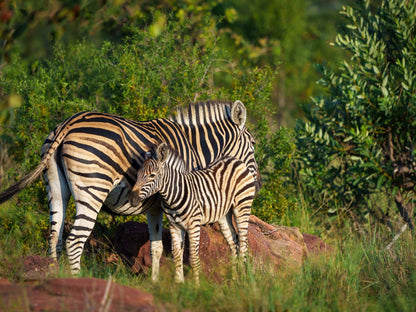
[(134, 198)]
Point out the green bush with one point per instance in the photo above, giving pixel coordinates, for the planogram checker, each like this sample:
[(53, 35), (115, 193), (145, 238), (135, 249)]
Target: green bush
[(357, 141), (275, 155)]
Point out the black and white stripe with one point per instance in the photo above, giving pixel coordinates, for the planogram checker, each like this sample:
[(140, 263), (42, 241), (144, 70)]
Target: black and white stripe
[(95, 157), (195, 198)]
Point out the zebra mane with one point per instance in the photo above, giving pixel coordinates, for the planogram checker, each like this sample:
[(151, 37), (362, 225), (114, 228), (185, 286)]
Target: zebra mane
[(202, 113), (175, 160)]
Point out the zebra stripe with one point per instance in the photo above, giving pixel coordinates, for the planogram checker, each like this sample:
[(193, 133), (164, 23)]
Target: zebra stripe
[(195, 198), (95, 157)]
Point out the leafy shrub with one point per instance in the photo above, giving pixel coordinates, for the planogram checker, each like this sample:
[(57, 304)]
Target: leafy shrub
[(275, 154), (357, 140)]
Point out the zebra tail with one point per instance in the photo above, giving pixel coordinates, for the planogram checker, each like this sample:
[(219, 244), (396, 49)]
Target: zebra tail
[(51, 144), (25, 181)]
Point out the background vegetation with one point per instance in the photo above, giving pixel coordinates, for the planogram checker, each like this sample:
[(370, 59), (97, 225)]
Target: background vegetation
[(344, 170), (357, 141)]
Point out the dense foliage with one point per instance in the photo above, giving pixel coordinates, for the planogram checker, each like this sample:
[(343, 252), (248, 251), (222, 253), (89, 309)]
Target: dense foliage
[(290, 34), (357, 143)]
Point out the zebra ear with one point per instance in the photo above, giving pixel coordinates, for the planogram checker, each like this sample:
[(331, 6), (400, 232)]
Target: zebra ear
[(162, 152), (238, 113), (147, 155)]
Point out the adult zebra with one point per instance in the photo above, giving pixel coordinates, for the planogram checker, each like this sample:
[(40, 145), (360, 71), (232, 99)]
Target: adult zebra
[(95, 157), (195, 198)]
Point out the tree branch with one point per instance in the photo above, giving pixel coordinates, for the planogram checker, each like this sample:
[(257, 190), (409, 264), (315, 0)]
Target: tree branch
[(396, 237), (403, 209)]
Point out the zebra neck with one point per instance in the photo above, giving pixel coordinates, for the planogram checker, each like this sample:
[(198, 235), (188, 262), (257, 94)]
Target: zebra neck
[(212, 146), (176, 188)]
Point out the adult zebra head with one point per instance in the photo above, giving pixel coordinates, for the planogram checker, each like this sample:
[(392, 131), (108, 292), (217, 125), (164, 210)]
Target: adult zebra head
[(218, 129)]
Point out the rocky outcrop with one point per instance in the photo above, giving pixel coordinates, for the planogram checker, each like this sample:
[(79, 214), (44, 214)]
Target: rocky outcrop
[(269, 245)]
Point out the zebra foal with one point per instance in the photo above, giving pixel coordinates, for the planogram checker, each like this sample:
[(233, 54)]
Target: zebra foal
[(195, 198)]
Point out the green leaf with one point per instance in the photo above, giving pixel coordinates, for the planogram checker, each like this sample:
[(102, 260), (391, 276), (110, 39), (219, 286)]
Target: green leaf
[(380, 181)]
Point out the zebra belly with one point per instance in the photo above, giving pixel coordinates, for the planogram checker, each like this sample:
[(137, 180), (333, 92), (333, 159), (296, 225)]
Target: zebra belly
[(213, 209)]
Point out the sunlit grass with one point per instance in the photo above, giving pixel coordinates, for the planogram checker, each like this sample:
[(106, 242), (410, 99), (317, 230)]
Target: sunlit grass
[(359, 275)]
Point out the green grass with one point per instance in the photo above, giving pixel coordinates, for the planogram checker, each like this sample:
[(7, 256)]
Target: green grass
[(359, 275)]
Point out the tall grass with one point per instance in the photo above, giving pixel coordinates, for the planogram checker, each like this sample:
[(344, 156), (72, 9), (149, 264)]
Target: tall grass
[(359, 275)]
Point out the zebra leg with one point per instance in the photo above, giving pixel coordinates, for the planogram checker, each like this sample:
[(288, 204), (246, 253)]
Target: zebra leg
[(154, 222), (58, 197), (178, 240), (228, 231), (242, 216), (88, 201), (194, 233), (84, 223)]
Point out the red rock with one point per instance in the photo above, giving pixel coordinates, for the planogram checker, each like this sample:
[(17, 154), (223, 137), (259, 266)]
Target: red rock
[(316, 245), (4, 281), (268, 245), (74, 294), (37, 267), (132, 244)]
